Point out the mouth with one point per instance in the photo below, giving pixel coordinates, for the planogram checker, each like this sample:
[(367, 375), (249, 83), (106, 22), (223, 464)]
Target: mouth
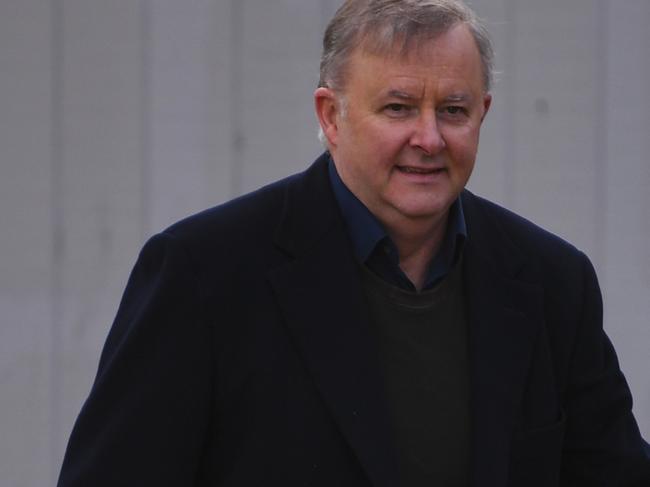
[(420, 170)]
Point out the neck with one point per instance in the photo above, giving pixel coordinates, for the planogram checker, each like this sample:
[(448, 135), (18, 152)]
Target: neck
[(416, 246)]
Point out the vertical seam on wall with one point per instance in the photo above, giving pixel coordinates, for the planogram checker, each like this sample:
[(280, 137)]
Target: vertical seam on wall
[(600, 136), (146, 94), (509, 91), (236, 81), (58, 229), (208, 136)]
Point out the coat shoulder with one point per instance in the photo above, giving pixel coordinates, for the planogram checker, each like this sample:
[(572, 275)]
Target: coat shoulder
[(528, 237), (247, 216)]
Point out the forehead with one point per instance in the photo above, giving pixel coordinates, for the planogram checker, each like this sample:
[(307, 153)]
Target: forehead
[(451, 55)]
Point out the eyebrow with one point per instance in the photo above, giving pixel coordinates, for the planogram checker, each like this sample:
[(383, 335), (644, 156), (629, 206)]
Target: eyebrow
[(453, 98), (401, 95), (457, 98)]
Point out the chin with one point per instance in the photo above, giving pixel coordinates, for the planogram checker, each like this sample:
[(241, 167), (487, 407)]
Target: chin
[(424, 207), (418, 212)]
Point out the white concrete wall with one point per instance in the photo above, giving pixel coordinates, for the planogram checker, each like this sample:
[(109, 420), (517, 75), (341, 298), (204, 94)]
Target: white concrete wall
[(117, 118)]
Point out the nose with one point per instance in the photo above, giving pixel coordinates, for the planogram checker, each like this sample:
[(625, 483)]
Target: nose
[(426, 136)]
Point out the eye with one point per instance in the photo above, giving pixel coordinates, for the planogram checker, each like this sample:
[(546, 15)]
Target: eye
[(454, 113), (398, 109), (454, 110)]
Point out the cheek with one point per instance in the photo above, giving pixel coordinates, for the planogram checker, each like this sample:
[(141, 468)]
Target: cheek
[(390, 142), (462, 146)]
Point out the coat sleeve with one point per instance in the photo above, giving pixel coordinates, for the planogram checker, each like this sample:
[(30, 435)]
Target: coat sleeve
[(603, 445), (145, 419)]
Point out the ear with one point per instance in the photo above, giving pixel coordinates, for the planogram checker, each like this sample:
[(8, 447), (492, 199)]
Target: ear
[(328, 112), (487, 102)]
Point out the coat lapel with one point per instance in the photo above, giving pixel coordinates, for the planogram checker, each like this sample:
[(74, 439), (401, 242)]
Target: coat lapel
[(320, 294), (504, 314)]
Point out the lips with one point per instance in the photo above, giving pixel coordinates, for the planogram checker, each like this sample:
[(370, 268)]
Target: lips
[(420, 170)]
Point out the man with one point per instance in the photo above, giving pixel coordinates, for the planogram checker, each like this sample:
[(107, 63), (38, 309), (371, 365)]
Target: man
[(369, 321)]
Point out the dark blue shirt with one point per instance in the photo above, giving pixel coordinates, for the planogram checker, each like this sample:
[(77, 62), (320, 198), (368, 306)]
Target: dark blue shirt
[(374, 248)]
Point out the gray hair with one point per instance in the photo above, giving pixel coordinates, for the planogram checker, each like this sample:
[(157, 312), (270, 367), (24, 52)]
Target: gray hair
[(383, 25)]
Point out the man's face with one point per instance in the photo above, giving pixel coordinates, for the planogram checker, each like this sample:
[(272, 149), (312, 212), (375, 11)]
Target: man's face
[(406, 142)]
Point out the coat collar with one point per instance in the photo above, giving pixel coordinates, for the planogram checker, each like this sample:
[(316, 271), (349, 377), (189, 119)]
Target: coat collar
[(320, 293)]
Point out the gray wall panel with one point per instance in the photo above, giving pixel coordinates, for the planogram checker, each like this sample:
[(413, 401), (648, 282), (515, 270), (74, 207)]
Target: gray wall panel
[(555, 114), (25, 243), (625, 278), (99, 184), (190, 134), (493, 171), (280, 56), (25, 140)]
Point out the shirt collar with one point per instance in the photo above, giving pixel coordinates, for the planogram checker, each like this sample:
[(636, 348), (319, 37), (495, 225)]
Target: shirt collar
[(366, 232)]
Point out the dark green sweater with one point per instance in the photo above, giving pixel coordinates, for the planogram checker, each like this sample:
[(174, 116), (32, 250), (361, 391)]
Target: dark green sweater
[(423, 340)]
